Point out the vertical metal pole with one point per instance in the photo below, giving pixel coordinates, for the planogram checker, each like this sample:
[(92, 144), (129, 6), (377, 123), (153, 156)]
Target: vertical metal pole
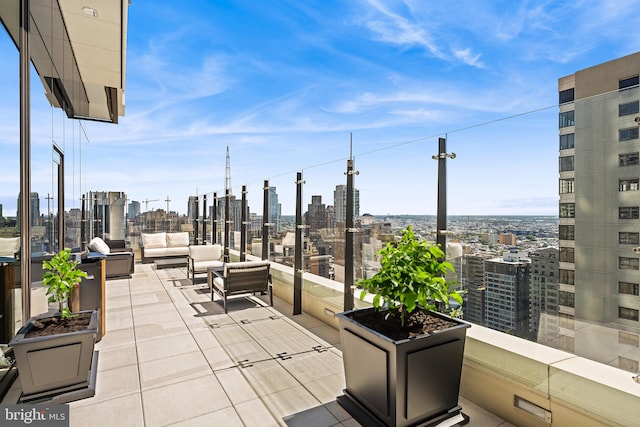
[(227, 223), (441, 226), (25, 161), (297, 267), (243, 225), (196, 227), (204, 219), (83, 220), (265, 220), (214, 234), (95, 215), (349, 231), (61, 231)]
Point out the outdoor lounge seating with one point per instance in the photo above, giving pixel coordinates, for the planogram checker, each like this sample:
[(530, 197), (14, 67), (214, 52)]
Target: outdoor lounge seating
[(119, 261), (202, 257), (239, 278), (164, 245)]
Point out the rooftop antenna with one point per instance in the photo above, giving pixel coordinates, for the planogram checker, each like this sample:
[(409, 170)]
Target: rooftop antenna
[(227, 174)]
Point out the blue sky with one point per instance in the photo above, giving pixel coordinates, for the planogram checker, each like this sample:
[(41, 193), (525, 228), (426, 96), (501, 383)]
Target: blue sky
[(285, 83)]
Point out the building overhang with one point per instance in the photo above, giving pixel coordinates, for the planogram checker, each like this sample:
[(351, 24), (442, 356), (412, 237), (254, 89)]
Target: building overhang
[(78, 49)]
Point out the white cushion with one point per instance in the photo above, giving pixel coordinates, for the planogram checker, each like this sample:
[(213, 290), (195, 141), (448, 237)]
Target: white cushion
[(205, 252), (154, 241), (9, 246), (98, 245), (175, 240)]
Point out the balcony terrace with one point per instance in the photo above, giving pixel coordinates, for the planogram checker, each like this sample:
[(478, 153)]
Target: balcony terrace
[(170, 356)]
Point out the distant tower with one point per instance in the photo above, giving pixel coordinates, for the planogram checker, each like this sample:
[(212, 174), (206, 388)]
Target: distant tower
[(227, 174)]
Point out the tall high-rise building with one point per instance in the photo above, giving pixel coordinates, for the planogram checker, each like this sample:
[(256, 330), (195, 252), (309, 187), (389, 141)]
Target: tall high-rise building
[(543, 296), (340, 203), (133, 210), (599, 166), (473, 278), (275, 211), (507, 294), (316, 217)]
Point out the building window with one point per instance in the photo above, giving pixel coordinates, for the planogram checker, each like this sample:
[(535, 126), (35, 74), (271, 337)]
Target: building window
[(566, 163), (567, 210), (566, 185), (566, 298), (626, 263), (628, 288), (627, 338), (566, 95), (567, 255), (629, 212), (628, 134), (628, 313), (628, 159), (632, 184), (628, 83), (566, 119), (627, 238), (567, 232), (566, 141), (628, 108), (567, 277)]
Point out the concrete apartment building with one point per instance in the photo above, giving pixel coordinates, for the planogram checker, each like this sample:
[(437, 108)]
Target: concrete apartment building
[(599, 168), (543, 296), (507, 293)]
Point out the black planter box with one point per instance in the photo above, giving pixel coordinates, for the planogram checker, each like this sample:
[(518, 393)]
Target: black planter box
[(55, 363), (406, 382)]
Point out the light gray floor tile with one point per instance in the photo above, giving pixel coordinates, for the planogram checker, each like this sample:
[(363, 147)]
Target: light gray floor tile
[(227, 417), (118, 412), (218, 358), (236, 385), (117, 357), (268, 377), (183, 401), (291, 343), (255, 413), (294, 401), (170, 370), (204, 337), (247, 352), (230, 334), (326, 389), (167, 346), (313, 366), (117, 382)]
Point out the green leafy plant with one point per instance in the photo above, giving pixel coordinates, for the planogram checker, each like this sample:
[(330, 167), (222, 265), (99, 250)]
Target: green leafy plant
[(59, 278), (412, 275)]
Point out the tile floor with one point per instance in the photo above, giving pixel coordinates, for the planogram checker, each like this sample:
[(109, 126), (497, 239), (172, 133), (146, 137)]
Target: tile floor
[(171, 356)]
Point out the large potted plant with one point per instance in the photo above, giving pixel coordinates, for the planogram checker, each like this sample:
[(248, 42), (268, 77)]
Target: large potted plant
[(402, 358), (54, 353)]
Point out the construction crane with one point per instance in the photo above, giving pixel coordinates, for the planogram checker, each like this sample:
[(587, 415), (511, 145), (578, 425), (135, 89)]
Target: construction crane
[(146, 203)]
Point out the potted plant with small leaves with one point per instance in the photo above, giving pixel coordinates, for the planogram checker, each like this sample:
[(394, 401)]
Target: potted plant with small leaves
[(402, 358), (55, 353)]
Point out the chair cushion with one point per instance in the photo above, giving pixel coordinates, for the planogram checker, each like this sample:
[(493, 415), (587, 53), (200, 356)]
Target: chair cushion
[(9, 246), (205, 252), (175, 240), (154, 241), (98, 245)]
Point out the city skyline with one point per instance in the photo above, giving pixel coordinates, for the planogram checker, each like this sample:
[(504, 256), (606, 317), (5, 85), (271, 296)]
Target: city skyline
[(287, 86)]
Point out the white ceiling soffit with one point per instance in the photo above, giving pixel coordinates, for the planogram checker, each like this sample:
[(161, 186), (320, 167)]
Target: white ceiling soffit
[(97, 30)]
